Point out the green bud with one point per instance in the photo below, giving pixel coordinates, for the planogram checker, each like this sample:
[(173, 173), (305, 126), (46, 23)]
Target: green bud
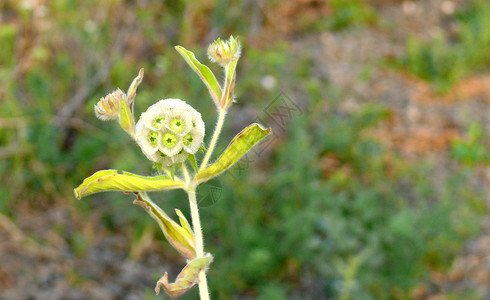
[(224, 52), (108, 107)]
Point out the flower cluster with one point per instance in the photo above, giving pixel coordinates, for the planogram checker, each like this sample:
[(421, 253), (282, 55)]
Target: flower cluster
[(169, 130)]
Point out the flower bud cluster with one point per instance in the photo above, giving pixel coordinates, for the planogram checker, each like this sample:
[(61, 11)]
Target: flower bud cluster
[(169, 130), (108, 107), (223, 52)]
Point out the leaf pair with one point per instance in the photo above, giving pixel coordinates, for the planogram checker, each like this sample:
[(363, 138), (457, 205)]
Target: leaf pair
[(111, 180)]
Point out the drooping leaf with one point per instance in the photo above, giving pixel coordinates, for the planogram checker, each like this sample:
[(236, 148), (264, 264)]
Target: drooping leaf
[(181, 237), (111, 180), (238, 147), (186, 279), (204, 73)]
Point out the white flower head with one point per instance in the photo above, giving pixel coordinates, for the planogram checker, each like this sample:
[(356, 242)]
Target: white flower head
[(169, 130)]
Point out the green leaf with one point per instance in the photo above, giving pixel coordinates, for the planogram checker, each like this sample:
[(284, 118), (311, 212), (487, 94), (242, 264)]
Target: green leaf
[(183, 221), (111, 180), (181, 237), (238, 147), (158, 167), (126, 118), (204, 73), (192, 159)]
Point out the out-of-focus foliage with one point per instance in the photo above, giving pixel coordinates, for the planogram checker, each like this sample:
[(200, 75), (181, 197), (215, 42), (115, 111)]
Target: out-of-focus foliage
[(347, 14), (472, 150), (326, 211), (445, 59), (350, 229)]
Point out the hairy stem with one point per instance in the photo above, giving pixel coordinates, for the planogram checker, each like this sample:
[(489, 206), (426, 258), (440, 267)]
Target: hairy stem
[(186, 173), (217, 131), (196, 224)]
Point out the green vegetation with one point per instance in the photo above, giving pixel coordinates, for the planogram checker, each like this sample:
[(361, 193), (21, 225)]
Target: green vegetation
[(472, 150), (340, 215), (350, 13), (345, 227), (445, 59)]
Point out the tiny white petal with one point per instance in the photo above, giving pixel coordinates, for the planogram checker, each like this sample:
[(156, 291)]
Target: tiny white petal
[(150, 116), (180, 157), (142, 135), (174, 103), (199, 127), (196, 142), (166, 161), (142, 138)]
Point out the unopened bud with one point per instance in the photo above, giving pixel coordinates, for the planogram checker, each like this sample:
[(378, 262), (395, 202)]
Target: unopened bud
[(108, 107), (223, 52)]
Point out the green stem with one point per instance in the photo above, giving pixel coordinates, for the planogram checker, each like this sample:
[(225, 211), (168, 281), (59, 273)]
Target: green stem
[(186, 174), (196, 224), (217, 131)]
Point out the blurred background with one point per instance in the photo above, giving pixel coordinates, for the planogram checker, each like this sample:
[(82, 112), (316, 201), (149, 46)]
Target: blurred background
[(375, 184)]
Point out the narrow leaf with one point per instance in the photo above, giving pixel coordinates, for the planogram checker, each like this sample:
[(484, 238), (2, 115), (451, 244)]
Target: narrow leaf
[(183, 221), (204, 73), (111, 180), (192, 159), (172, 172), (178, 236), (238, 147), (126, 118), (158, 167)]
